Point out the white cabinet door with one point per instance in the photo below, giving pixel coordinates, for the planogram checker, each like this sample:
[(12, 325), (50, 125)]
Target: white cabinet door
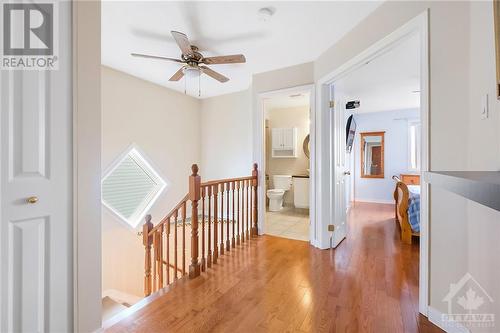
[(36, 253), (288, 138), (277, 138)]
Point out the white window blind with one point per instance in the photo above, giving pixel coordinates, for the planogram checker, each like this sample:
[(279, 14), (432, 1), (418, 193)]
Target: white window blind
[(131, 187)]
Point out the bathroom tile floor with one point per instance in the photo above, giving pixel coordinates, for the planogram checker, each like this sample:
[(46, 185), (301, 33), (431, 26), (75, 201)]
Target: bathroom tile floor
[(288, 223)]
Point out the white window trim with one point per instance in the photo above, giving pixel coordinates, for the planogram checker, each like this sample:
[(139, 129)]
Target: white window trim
[(137, 217), (418, 143)]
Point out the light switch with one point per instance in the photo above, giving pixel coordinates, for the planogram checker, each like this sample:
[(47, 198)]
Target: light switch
[(484, 107)]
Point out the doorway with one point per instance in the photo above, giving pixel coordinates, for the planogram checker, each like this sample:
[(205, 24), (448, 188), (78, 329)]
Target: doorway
[(286, 163), (332, 137)]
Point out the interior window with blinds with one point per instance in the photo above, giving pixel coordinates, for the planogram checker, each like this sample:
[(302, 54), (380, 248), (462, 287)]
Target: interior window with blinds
[(131, 187)]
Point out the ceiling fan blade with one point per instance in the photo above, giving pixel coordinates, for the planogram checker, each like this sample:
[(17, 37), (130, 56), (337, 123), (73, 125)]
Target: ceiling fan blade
[(219, 77), (177, 75), (155, 57), (227, 59), (183, 43)]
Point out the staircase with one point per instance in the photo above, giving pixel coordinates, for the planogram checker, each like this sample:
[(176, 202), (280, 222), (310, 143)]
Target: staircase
[(213, 218)]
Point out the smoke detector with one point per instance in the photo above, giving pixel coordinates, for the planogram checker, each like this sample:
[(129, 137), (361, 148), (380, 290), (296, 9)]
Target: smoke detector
[(265, 13)]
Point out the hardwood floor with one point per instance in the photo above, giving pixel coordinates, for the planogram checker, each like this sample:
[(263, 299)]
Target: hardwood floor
[(368, 284)]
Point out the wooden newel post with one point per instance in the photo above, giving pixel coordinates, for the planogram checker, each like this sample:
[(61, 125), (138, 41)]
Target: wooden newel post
[(194, 196), (147, 240), (255, 183)]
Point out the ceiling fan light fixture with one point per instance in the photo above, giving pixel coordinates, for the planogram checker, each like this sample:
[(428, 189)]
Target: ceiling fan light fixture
[(191, 72)]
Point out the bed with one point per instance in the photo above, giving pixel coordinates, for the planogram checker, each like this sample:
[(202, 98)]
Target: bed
[(407, 209)]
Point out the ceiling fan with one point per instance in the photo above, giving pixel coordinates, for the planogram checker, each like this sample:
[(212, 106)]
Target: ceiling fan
[(194, 61)]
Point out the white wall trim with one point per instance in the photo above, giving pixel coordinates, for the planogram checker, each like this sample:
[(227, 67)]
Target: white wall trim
[(324, 198), (86, 40), (436, 317), (260, 151)]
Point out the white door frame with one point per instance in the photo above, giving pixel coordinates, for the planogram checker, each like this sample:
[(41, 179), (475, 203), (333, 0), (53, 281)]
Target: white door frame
[(260, 152), (86, 32), (325, 199)]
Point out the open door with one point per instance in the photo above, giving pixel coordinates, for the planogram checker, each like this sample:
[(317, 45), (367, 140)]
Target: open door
[(338, 166)]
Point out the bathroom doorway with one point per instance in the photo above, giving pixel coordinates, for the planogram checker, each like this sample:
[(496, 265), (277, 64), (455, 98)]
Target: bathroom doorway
[(287, 164)]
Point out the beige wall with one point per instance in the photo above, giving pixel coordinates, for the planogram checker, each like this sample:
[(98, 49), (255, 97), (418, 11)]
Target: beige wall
[(483, 152), (226, 136), (165, 125), (287, 118)]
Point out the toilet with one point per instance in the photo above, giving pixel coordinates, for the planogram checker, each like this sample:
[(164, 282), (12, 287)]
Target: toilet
[(282, 183)]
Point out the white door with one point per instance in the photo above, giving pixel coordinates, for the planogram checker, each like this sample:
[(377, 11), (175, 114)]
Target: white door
[(338, 166), (36, 165)]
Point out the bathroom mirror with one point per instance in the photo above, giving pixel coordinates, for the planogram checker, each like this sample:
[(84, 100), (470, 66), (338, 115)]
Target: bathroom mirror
[(305, 146), (372, 155)]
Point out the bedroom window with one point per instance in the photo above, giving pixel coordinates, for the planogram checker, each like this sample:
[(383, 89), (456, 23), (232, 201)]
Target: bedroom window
[(414, 146), (130, 187)]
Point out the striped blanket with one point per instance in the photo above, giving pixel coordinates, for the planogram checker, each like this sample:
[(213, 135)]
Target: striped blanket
[(414, 207)]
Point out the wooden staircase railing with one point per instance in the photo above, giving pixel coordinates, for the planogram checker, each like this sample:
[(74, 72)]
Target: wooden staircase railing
[(227, 211)]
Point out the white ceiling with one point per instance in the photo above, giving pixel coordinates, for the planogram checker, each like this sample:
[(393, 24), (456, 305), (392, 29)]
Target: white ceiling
[(289, 100), (389, 82), (298, 32)]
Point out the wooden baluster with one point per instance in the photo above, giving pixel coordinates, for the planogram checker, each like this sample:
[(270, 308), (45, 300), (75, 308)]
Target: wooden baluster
[(216, 217), (247, 225), (176, 215), (221, 247), (155, 261), (209, 235), (251, 209), (184, 239), (228, 243), (238, 212), (160, 257), (243, 211), (194, 196), (203, 262), (233, 239), (147, 241), (168, 251), (255, 182)]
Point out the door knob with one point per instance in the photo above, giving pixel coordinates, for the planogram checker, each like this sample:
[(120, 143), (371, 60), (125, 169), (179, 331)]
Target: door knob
[(32, 200), (347, 173)]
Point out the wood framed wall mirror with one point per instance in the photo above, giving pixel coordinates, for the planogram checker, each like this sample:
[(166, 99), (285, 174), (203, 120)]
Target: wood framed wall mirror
[(372, 155)]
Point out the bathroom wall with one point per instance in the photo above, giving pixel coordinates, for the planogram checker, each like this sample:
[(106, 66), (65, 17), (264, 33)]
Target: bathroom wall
[(286, 118), (395, 125)]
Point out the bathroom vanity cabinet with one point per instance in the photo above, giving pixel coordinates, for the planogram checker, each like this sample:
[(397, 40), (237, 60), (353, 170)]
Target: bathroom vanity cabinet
[(284, 142), (301, 191)]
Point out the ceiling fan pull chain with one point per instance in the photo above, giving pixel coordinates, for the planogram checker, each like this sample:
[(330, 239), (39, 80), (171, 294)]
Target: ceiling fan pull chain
[(185, 85), (199, 83)]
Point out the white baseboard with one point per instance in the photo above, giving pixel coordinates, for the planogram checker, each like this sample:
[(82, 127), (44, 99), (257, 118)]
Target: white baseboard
[(436, 317), (380, 201)]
